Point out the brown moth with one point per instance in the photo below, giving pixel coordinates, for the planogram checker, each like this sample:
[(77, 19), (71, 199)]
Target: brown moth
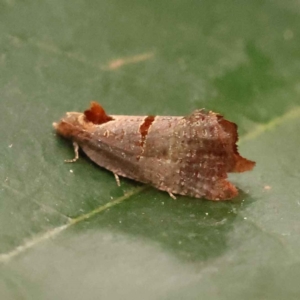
[(180, 155)]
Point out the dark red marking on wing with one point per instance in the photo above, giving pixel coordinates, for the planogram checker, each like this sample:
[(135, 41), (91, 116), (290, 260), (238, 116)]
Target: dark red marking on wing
[(144, 128), (96, 114), (239, 164)]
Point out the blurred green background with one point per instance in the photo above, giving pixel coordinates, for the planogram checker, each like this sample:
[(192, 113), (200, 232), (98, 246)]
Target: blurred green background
[(67, 231)]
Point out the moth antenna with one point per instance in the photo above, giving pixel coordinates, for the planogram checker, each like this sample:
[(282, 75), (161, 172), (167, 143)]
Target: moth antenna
[(76, 151)]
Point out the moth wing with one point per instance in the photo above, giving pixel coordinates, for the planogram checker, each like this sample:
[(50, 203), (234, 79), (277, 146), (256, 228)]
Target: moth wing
[(182, 155), (112, 160), (199, 157), (235, 163), (122, 147)]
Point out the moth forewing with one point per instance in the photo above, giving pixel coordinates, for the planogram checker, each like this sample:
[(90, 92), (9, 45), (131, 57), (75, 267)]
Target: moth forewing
[(181, 155)]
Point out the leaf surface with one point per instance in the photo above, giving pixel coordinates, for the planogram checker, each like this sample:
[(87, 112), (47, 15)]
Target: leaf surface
[(67, 231)]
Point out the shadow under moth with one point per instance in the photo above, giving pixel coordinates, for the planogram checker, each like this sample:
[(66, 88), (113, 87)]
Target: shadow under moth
[(180, 155)]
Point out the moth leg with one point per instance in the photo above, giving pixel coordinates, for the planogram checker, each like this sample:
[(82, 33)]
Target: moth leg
[(117, 179), (172, 195), (76, 151)]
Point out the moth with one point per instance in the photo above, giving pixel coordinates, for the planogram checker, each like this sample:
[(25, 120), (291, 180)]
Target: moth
[(188, 155)]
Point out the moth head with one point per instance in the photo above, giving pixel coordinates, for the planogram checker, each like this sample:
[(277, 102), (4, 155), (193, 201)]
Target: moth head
[(71, 124), (74, 123)]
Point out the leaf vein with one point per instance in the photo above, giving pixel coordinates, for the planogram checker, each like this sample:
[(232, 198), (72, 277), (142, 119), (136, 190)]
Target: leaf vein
[(6, 257)]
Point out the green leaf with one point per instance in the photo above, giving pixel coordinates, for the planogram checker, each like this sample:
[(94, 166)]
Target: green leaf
[(67, 231)]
